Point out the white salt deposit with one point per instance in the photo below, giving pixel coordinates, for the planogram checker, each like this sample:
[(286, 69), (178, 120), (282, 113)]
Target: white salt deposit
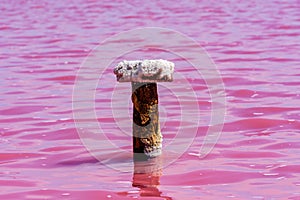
[(144, 71)]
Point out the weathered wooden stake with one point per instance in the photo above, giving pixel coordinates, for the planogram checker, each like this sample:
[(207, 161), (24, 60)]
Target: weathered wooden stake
[(144, 75)]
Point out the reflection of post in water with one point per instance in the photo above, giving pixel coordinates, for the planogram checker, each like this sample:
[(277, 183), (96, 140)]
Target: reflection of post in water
[(146, 176)]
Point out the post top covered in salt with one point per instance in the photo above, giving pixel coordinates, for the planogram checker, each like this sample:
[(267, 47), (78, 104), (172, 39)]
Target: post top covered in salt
[(144, 71)]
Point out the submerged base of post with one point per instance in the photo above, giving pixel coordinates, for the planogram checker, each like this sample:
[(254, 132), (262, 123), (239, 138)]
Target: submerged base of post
[(147, 138)]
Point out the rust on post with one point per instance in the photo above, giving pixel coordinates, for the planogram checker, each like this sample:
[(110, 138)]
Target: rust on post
[(147, 138)]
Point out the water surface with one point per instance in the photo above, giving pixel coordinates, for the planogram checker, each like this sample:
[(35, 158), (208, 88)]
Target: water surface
[(254, 44)]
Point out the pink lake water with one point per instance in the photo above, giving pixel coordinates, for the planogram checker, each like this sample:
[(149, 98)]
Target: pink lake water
[(255, 46)]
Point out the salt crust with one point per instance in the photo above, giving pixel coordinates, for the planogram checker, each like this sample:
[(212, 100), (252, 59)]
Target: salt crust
[(145, 71)]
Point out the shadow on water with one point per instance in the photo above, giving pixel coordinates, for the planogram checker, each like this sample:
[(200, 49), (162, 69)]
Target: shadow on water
[(78, 162)]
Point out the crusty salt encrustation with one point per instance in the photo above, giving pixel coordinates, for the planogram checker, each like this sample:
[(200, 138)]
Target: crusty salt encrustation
[(145, 71)]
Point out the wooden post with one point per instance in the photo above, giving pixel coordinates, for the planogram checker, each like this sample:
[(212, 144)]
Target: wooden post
[(147, 138), (144, 75)]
